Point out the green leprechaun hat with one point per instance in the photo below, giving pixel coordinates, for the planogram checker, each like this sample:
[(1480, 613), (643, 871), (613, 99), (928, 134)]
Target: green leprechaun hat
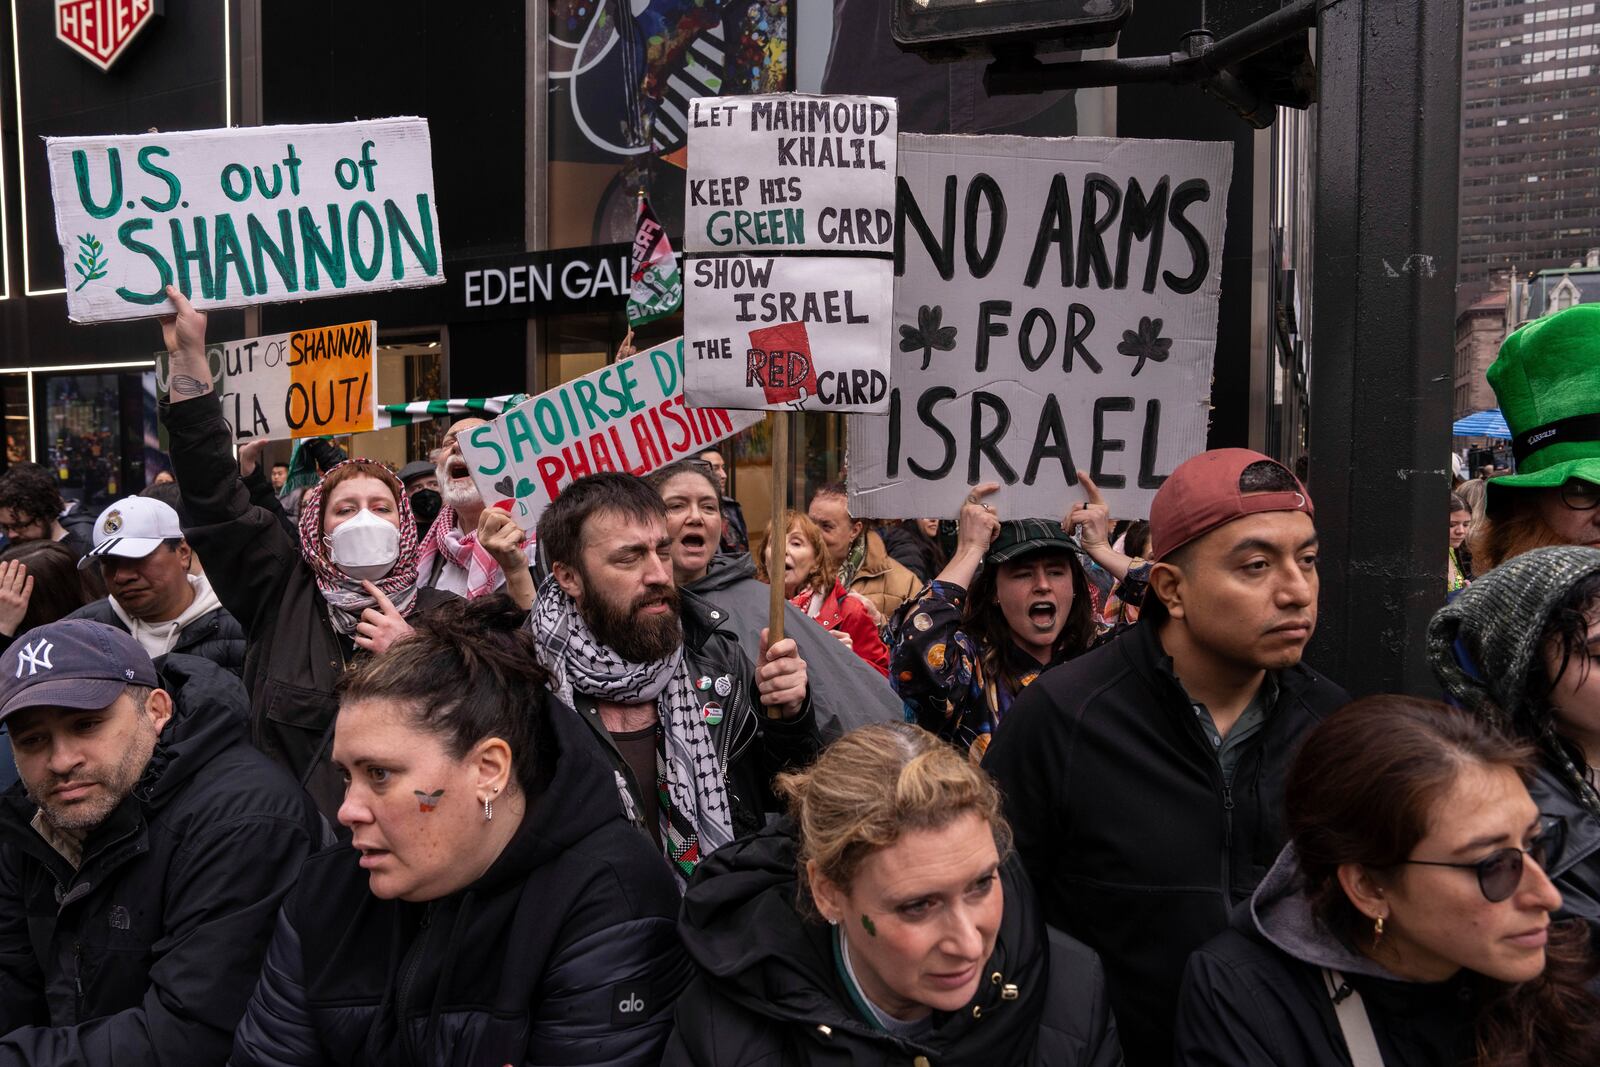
[(1547, 379)]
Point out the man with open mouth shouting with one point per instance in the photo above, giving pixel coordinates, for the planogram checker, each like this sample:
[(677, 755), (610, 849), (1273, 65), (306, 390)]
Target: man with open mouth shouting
[(454, 556), (970, 642)]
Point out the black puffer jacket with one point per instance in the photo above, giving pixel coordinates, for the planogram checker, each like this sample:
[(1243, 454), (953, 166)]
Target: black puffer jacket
[(216, 635), (562, 952), (1122, 817), (754, 749), (1255, 995), (769, 991), (294, 657), (148, 952)]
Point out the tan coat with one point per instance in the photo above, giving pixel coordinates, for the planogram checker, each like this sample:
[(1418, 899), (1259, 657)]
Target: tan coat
[(884, 582)]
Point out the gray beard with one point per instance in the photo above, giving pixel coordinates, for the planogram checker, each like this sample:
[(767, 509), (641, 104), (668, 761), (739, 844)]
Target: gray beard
[(456, 496)]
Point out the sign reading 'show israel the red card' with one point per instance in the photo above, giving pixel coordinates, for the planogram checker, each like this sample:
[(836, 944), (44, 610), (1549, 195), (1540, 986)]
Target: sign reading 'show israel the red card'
[(101, 30)]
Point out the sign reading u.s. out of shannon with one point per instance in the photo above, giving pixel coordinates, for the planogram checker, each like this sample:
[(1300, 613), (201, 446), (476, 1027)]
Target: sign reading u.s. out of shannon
[(101, 30), (628, 416), (243, 216), (302, 384), (1057, 311), (789, 229)]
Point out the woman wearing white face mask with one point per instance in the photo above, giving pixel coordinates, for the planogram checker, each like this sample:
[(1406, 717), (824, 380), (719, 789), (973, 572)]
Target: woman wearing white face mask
[(309, 609)]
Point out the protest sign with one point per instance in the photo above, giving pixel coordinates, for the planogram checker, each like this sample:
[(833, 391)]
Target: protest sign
[(308, 383), (243, 216), (628, 416), (1057, 310), (789, 229)]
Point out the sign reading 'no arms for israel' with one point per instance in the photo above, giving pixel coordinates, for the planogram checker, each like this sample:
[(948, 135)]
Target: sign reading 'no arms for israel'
[(243, 216), (789, 229), (1056, 310)]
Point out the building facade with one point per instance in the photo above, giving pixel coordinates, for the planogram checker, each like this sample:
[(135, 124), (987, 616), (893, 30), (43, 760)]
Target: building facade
[(1480, 329), (1530, 137), (547, 119)]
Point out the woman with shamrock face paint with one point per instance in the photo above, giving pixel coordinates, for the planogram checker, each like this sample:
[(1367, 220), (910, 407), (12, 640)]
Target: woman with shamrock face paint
[(347, 590), (494, 905), (912, 935)]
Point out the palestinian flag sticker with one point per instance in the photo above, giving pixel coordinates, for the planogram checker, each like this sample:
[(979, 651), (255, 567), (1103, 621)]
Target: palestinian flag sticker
[(702, 683), (712, 713)]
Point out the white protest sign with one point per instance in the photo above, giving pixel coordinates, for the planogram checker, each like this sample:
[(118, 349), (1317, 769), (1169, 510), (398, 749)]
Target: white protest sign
[(308, 383), (1057, 310), (243, 216), (789, 234), (628, 416)]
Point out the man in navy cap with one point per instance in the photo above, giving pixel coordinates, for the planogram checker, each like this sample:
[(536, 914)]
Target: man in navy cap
[(143, 855)]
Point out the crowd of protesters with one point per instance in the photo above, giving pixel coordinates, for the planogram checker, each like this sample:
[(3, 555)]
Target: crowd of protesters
[(305, 781)]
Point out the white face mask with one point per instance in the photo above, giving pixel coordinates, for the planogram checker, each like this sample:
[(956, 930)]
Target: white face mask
[(364, 546)]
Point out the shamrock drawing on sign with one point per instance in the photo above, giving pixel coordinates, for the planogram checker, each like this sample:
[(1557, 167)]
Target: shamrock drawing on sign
[(1146, 344), (90, 265), (927, 334), (512, 491)]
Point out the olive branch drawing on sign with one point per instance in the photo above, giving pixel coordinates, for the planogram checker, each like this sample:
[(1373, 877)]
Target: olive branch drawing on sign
[(89, 266)]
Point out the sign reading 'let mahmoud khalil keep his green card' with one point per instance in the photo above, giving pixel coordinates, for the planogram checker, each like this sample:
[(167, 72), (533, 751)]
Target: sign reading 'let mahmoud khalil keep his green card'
[(243, 216)]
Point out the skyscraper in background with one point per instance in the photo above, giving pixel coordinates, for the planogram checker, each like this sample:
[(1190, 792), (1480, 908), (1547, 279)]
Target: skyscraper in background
[(1530, 139)]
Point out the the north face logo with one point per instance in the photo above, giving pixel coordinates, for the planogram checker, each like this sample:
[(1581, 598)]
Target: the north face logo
[(34, 656)]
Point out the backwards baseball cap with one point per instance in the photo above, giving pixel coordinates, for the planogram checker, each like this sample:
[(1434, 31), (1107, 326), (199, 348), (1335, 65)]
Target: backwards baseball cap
[(1023, 537), (132, 528), (74, 663), (1204, 493)]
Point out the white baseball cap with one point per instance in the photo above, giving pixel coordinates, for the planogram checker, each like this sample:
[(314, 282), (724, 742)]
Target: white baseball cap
[(132, 528)]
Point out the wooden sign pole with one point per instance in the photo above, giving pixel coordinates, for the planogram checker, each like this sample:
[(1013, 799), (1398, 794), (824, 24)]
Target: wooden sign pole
[(778, 535)]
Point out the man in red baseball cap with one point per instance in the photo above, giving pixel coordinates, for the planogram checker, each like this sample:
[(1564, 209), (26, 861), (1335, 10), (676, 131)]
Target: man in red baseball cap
[(1144, 779)]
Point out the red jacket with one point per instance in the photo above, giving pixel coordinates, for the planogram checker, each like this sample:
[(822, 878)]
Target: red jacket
[(842, 611)]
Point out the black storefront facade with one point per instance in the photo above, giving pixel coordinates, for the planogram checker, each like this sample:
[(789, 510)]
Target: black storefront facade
[(542, 132)]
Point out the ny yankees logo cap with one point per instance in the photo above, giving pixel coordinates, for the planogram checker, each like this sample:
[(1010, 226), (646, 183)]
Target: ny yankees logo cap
[(73, 663)]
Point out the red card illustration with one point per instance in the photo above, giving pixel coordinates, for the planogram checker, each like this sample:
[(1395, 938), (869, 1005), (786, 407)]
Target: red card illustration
[(779, 360)]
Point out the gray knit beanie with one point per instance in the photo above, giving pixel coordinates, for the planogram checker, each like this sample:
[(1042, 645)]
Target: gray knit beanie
[(1499, 621)]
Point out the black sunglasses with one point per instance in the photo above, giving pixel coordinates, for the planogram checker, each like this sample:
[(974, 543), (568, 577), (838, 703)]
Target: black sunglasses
[(1500, 872), (1580, 495)]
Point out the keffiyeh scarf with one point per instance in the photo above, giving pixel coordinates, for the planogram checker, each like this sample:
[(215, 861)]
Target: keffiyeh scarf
[(444, 539), (695, 817), (344, 594)]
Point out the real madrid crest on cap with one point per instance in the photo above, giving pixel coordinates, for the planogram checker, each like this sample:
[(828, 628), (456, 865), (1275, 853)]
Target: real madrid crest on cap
[(703, 682), (724, 685), (113, 522), (712, 713)]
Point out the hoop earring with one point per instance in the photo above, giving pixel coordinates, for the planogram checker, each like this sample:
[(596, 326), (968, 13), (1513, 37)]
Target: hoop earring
[(488, 809), (1377, 931)]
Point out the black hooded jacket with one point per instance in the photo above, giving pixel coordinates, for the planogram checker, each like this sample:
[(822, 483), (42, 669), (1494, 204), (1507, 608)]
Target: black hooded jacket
[(769, 991), (1255, 995), (562, 952), (146, 954), (1124, 821)]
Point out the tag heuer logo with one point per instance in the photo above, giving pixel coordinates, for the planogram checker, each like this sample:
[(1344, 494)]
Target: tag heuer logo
[(101, 30), (113, 522)]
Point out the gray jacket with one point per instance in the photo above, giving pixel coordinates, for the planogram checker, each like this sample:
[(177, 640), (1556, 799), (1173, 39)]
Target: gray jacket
[(845, 692)]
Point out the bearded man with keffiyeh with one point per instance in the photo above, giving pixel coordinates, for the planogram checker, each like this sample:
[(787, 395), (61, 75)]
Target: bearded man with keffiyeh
[(309, 607), (693, 732)]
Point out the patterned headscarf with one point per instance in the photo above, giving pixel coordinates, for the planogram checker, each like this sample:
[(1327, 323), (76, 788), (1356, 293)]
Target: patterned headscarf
[(345, 596)]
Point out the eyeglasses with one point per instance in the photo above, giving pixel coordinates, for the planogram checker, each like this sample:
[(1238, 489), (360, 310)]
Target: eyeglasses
[(1500, 872), (1580, 495)]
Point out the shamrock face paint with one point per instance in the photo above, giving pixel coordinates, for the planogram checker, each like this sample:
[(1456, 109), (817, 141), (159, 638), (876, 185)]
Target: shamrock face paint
[(866, 924), (426, 802)]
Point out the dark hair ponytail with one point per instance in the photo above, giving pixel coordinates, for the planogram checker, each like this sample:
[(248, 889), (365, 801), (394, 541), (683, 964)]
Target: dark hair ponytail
[(1361, 790), (469, 671)]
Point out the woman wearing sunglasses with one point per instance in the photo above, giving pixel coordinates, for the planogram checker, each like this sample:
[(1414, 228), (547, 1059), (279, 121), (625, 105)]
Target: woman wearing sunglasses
[(1408, 921), (1517, 649)]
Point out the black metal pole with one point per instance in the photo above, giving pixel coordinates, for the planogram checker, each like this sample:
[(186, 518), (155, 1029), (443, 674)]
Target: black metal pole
[(1382, 336)]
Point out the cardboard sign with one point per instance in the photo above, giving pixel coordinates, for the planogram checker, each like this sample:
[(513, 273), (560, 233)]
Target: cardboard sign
[(628, 416), (302, 384), (1056, 310), (789, 226), (243, 216)]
